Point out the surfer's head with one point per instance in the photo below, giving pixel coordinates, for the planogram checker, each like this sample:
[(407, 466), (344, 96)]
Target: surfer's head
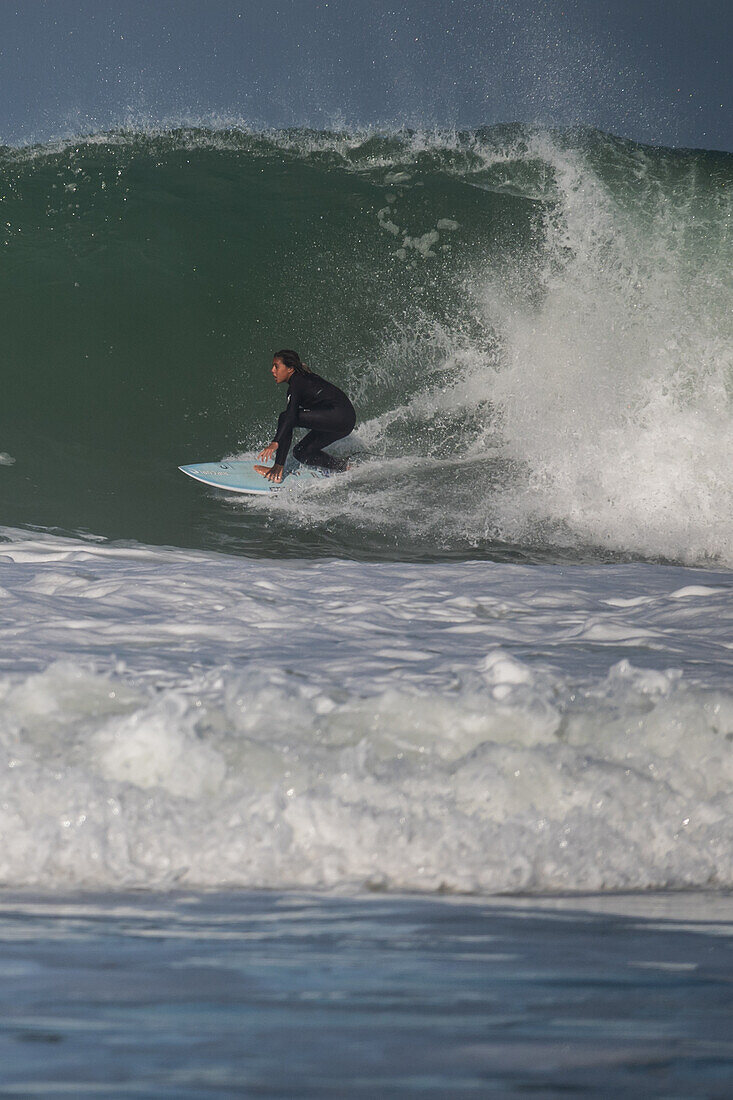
[(285, 363)]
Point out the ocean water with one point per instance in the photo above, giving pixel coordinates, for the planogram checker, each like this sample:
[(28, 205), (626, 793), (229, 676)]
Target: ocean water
[(303, 995), (495, 656), (535, 329)]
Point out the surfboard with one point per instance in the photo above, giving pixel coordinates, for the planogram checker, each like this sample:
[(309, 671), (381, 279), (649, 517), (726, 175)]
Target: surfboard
[(241, 477)]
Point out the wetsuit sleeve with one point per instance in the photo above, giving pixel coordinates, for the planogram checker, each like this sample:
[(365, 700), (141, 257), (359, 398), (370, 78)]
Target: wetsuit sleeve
[(285, 425)]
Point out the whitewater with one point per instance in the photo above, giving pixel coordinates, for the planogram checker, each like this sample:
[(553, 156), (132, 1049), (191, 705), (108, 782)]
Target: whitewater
[(493, 657), (172, 717)]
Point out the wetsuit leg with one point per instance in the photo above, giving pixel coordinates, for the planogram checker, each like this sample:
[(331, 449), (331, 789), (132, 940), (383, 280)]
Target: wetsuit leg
[(327, 425), (310, 450)]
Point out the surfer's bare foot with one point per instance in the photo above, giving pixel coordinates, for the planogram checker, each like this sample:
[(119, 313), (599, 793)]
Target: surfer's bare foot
[(272, 473)]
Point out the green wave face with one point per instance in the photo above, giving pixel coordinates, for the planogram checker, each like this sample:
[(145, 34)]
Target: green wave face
[(534, 328)]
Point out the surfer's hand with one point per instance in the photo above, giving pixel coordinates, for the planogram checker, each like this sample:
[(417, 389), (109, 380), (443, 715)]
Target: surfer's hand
[(268, 452), (272, 473)]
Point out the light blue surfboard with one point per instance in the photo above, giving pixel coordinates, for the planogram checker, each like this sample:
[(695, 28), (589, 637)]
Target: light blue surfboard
[(241, 477)]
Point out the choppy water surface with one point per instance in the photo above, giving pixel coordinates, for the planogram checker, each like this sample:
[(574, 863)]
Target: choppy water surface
[(301, 996)]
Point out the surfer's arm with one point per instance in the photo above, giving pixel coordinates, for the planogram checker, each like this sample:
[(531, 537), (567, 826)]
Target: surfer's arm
[(285, 425)]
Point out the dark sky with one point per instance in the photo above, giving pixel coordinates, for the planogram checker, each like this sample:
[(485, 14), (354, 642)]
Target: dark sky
[(653, 70)]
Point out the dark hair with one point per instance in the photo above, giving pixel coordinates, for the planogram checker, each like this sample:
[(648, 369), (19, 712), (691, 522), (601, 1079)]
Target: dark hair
[(291, 359)]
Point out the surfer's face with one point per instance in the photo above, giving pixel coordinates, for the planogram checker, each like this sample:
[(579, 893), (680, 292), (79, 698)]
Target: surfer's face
[(280, 372)]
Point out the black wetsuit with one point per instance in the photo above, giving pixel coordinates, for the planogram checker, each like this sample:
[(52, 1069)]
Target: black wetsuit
[(319, 405)]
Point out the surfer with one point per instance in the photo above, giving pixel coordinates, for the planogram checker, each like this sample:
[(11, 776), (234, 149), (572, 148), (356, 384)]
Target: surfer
[(313, 403)]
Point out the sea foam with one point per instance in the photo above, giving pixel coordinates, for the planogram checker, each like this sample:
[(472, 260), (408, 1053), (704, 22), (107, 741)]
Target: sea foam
[(177, 717)]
